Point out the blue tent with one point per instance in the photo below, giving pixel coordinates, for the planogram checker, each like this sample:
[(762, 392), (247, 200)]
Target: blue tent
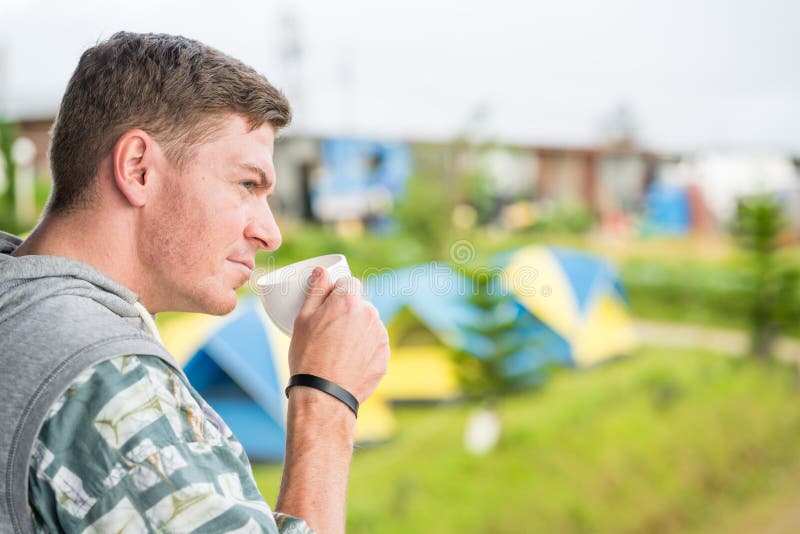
[(241, 367), (234, 371), (667, 210), (577, 295), (437, 295), (439, 298)]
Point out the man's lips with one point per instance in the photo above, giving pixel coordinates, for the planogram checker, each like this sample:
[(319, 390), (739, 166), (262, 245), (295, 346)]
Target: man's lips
[(250, 264)]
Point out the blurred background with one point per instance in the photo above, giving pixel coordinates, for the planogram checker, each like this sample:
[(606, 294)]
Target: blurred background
[(579, 221)]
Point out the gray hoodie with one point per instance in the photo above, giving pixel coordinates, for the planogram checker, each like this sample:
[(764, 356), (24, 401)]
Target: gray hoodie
[(58, 316)]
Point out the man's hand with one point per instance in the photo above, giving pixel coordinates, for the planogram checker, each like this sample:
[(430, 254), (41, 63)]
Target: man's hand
[(339, 336)]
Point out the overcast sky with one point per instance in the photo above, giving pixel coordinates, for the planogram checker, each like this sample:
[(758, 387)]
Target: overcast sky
[(693, 74)]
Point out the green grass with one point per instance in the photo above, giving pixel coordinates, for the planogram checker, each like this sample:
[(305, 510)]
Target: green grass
[(664, 441)]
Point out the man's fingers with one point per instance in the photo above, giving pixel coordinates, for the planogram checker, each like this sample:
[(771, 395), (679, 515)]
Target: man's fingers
[(349, 286), (319, 287)]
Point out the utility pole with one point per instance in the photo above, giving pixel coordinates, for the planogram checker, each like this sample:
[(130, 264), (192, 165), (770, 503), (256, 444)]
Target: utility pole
[(292, 58)]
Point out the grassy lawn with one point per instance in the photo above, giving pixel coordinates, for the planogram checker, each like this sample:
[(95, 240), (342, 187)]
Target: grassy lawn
[(665, 441)]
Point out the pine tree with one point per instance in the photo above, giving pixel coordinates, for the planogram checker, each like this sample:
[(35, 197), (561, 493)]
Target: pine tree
[(773, 287), (486, 371)]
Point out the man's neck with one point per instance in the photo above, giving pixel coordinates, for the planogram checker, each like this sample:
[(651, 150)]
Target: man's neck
[(104, 243), (53, 236)]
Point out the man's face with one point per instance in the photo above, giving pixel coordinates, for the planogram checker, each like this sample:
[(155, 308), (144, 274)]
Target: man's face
[(209, 220)]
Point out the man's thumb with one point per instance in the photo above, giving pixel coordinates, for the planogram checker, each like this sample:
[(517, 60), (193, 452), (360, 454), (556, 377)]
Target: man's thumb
[(319, 287)]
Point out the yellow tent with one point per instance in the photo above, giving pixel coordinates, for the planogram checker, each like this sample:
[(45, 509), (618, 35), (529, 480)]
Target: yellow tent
[(185, 334)]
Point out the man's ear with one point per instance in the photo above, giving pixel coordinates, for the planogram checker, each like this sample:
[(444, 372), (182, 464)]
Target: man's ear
[(133, 160)]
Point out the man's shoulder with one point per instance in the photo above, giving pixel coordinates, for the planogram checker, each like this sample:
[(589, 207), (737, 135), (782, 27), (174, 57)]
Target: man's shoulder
[(73, 331), (68, 318), (76, 309), (59, 317), (128, 443)]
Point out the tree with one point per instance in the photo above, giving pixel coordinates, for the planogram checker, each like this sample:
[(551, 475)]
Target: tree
[(773, 286), (489, 374), (425, 211), (8, 133)]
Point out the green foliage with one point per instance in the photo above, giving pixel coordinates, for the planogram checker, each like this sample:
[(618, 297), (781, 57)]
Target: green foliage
[(425, 213), (686, 291), (445, 178), (578, 220), (653, 443), (772, 287), (8, 134), (574, 219), (681, 290), (475, 190), (487, 375)]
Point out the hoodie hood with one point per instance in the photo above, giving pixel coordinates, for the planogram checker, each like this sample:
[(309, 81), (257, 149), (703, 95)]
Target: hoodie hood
[(26, 280)]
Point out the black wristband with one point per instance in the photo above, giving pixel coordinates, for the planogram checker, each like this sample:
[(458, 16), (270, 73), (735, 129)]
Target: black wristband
[(327, 386)]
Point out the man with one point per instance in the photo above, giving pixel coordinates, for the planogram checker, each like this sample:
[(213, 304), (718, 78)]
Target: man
[(161, 157)]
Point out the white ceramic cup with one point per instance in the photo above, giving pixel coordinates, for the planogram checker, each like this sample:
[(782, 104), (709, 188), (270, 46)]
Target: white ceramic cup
[(284, 290)]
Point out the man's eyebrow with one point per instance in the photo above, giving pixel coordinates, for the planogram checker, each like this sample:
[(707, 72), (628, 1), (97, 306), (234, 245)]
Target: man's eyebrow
[(266, 180)]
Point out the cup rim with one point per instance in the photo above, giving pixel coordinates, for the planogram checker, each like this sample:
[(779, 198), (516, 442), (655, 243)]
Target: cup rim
[(276, 277)]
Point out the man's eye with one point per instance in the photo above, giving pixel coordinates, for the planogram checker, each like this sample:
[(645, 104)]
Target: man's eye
[(249, 185)]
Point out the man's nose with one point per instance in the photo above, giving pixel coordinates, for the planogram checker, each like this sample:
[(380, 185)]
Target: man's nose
[(264, 229)]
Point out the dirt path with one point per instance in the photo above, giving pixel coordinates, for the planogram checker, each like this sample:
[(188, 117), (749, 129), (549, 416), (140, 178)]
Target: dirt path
[(733, 341)]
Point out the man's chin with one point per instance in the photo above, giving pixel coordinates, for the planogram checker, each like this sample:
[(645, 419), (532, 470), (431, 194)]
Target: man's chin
[(217, 305), (222, 308)]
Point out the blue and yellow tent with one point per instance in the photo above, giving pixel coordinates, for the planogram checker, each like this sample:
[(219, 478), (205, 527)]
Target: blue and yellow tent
[(577, 295), (569, 308), (435, 298), (424, 309), (240, 365), (235, 371)]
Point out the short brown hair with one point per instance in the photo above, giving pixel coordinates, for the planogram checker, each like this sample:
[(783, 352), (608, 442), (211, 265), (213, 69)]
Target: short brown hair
[(172, 87)]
